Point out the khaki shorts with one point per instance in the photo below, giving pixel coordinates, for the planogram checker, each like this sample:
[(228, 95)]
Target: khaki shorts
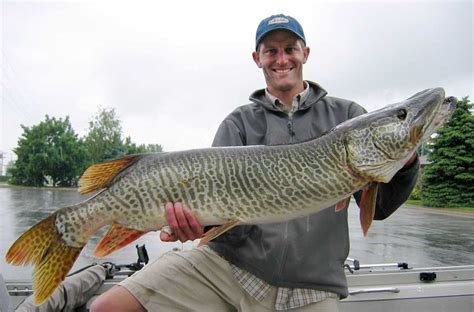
[(200, 280)]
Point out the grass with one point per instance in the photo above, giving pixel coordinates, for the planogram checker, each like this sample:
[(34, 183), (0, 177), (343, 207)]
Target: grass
[(417, 202)]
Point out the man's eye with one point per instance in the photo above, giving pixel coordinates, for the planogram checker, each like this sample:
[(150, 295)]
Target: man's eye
[(290, 50), (271, 51)]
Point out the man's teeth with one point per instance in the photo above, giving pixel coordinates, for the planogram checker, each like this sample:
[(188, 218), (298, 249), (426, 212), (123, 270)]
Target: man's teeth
[(282, 70)]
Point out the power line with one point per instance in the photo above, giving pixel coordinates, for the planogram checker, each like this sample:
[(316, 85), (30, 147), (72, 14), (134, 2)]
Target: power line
[(15, 105)]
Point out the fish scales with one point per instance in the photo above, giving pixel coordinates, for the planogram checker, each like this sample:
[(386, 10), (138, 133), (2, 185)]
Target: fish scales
[(254, 184), (231, 185), (132, 201)]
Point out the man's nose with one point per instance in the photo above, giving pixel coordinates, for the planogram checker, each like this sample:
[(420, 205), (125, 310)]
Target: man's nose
[(282, 57)]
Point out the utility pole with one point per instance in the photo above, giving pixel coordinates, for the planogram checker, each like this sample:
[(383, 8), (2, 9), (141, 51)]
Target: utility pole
[(1, 163)]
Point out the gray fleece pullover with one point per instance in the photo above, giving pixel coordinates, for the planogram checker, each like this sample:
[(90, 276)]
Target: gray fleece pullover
[(307, 252)]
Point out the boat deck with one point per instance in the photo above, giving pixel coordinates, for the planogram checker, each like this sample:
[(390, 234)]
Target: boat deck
[(379, 287)]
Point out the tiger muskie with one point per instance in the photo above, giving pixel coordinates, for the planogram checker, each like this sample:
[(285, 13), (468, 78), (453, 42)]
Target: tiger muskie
[(228, 186)]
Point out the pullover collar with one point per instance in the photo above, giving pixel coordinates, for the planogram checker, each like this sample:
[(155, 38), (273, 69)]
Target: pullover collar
[(312, 94)]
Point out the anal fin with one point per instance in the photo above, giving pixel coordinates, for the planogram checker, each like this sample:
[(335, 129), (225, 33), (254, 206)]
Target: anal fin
[(217, 231), (367, 206), (117, 236)]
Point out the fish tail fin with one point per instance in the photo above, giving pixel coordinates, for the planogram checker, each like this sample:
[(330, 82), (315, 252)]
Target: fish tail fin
[(43, 247)]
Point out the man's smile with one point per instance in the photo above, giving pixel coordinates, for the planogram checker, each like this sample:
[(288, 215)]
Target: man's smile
[(282, 70)]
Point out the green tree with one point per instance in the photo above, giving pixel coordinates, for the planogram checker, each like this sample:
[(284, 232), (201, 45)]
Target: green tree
[(10, 166), (104, 139), (133, 148), (50, 149), (153, 148), (449, 180)]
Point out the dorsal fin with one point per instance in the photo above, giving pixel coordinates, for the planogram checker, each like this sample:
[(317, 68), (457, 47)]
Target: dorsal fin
[(98, 176)]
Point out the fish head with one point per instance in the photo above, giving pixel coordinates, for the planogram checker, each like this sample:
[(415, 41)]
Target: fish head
[(378, 144)]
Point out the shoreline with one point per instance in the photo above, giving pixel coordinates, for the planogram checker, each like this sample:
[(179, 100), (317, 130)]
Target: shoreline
[(441, 211), (50, 188)]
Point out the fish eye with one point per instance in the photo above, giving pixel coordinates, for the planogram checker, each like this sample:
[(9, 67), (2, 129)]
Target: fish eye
[(402, 114)]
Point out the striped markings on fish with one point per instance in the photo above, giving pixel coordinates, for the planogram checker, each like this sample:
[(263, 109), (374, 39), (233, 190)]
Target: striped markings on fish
[(229, 186)]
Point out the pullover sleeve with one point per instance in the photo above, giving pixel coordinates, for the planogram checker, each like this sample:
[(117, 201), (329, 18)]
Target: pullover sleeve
[(74, 292), (228, 134)]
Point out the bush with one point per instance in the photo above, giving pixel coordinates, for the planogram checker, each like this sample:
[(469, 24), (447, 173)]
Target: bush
[(416, 193)]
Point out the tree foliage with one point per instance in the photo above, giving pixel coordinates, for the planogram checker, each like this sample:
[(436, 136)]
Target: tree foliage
[(449, 180), (51, 150), (104, 140), (133, 148), (10, 166)]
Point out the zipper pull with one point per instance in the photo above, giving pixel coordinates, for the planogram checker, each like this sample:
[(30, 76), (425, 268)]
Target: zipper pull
[(290, 128)]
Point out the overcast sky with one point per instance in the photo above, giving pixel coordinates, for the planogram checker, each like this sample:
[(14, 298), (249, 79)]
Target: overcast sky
[(174, 69)]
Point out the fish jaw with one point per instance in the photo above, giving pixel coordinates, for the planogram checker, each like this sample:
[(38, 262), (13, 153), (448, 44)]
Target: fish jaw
[(439, 118)]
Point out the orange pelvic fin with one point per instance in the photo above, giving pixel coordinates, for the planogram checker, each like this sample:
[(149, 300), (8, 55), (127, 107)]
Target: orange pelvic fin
[(343, 204), (53, 258), (367, 206), (98, 176), (217, 231), (117, 236)]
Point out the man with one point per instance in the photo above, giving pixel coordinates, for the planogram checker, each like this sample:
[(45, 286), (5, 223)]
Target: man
[(291, 265)]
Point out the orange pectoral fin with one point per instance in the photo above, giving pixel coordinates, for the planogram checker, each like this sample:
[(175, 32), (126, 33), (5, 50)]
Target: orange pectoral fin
[(217, 231), (367, 206), (117, 236)]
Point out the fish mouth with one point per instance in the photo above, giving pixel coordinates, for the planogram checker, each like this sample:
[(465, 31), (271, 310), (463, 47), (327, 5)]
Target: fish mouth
[(416, 134), (432, 110)]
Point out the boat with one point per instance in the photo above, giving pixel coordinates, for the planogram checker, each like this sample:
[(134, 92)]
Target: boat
[(372, 287), (398, 287)]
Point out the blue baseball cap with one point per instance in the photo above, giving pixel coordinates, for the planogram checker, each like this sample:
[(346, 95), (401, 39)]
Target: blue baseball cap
[(275, 22)]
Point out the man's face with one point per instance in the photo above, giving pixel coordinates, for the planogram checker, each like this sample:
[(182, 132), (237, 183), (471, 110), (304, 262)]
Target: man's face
[(281, 56)]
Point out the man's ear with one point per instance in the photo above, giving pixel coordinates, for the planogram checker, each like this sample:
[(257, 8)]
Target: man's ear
[(256, 59), (306, 51)]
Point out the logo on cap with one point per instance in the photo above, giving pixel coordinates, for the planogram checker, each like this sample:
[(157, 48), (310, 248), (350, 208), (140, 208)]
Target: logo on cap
[(278, 20)]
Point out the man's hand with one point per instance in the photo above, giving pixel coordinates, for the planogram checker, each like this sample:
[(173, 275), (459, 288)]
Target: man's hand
[(182, 222)]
